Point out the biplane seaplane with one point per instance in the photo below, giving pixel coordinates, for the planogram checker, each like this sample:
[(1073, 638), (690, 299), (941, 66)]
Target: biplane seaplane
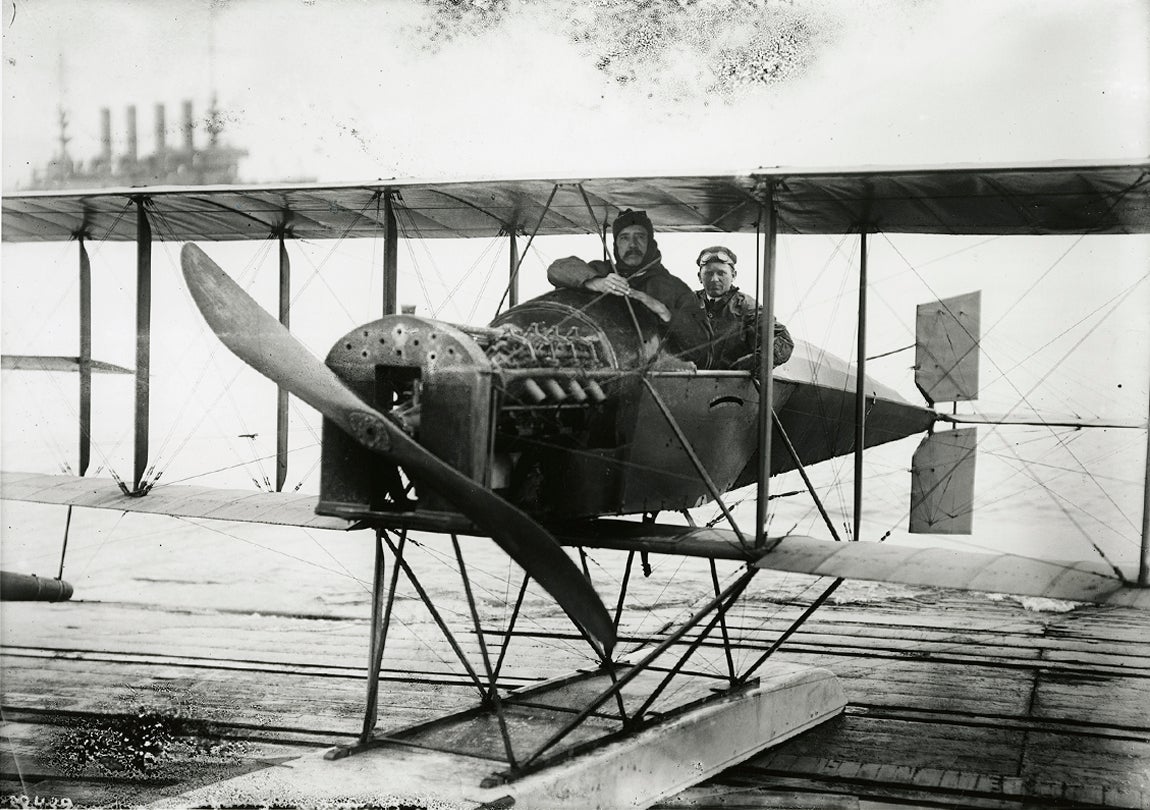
[(567, 422)]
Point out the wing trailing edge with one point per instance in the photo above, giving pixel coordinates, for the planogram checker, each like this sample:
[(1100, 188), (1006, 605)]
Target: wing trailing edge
[(1073, 580), (49, 362)]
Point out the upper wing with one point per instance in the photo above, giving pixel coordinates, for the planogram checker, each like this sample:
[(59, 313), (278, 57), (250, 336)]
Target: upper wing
[(1102, 197)]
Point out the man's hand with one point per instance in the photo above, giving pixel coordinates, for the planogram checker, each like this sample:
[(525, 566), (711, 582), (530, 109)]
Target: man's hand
[(612, 283)]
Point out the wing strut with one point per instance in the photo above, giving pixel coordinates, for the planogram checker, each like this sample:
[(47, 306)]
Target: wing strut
[(143, 340), (1144, 562), (769, 217), (860, 389), (85, 357), (281, 392)]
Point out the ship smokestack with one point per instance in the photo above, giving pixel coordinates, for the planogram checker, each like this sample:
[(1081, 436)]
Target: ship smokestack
[(132, 150), (106, 135), (189, 128), (161, 147)]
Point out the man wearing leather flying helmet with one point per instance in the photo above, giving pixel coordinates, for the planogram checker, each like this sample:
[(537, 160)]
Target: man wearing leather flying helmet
[(719, 328), (638, 268)]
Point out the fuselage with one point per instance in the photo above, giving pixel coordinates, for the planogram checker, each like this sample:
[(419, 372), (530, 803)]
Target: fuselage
[(569, 407)]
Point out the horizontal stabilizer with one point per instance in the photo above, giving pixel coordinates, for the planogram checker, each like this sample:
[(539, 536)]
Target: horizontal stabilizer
[(942, 483), (177, 500), (946, 348), (1053, 421), (48, 362)]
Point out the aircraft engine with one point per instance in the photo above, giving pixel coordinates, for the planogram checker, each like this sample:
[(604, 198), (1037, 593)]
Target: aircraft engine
[(533, 406)]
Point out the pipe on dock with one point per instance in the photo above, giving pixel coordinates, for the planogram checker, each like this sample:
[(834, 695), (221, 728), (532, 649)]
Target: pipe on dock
[(31, 588)]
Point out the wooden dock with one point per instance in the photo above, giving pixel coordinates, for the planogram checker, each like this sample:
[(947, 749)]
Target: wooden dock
[(955, 700)]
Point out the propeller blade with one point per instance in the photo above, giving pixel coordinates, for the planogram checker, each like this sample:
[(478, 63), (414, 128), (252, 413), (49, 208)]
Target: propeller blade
[(267, 346)]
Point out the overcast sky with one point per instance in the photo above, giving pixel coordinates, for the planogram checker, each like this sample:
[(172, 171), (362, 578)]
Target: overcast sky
[(357, 90)]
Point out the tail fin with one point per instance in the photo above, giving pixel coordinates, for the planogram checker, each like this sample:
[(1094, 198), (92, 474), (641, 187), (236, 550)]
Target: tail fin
[(942, 483), (946, 343)]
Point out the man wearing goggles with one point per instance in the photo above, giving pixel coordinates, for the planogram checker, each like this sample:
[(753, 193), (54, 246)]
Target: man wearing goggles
[(637, 271), (719, 328)]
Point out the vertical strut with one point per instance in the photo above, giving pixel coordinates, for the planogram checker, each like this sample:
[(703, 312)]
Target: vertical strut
[(696, 462), (513, 270), (722, 605), (769, 216), (380, 621), (143, 340), (85, 357), (860, 389), (795, 625), (723, 625), (282, 394), (64, 546), (623, 590), (510, 630), (493, 692), (1144, 565), (640, 666), (390, 256), (435, 616)]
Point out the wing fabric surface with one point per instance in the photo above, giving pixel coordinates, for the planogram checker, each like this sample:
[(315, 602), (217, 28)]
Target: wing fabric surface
[(1075, 580), (267, 346), (933, 567), (1060, 197), (40, 362), (176, 500)]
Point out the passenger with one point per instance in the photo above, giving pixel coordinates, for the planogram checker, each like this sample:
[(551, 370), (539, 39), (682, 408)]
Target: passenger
[(719, 328), (638, 268)]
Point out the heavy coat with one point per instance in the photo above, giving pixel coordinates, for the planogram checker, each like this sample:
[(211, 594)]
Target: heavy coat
[(652, 279), (715, 337)]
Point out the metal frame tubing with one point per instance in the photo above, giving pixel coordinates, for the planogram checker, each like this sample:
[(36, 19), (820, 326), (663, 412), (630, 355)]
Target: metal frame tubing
[(725, 603), (616, 687), (85, 359), (723, 625), (510, 628), (795, 625), (1144, 564), (806, 478), (527, 247), (623, 590), (436, 617), (696, 462), (513, 268), (143, 340), (390, 256), (769, 216), (380, 622), (282, 394), (493, 692), (860, 389)]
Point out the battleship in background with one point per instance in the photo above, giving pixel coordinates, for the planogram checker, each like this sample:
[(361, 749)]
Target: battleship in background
[(217, 163)]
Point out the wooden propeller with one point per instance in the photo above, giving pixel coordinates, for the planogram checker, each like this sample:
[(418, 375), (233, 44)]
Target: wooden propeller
[(266, 345)]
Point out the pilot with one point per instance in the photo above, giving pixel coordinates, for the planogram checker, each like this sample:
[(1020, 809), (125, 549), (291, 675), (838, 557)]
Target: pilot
[(718, 328), (638, 268)]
